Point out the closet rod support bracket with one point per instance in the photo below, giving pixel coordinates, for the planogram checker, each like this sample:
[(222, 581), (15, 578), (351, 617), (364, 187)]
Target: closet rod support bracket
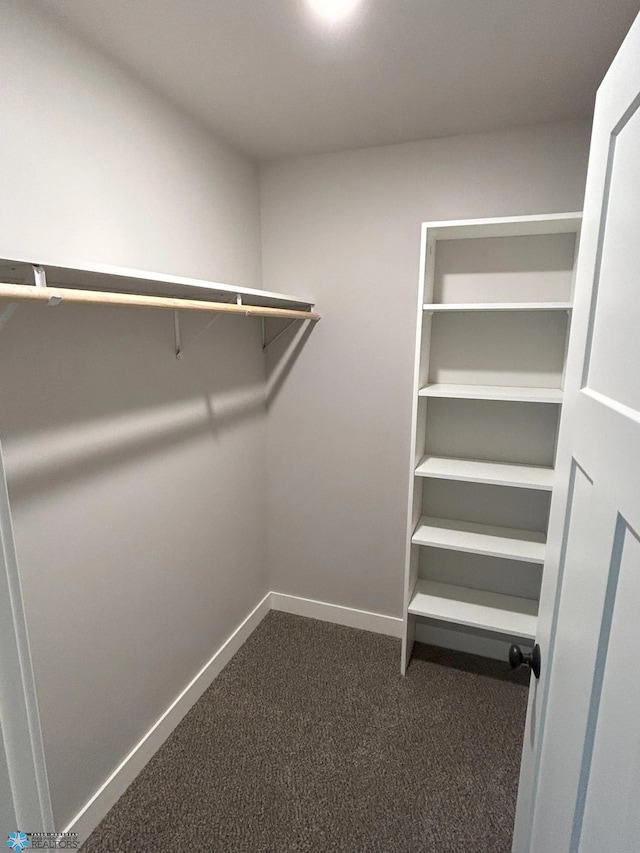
[(39, 275), (40, 279), (266, 343), (180, 347), (176, 334)]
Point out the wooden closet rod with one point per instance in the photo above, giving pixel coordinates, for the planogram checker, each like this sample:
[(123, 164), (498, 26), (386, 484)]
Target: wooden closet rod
[(55, 295)]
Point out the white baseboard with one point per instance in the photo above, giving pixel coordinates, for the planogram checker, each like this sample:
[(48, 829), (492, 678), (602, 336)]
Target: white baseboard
[(112, 789), (336, 613)]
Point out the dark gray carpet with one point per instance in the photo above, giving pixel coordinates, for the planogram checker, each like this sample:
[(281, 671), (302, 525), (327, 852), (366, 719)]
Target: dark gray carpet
[(310, 740)]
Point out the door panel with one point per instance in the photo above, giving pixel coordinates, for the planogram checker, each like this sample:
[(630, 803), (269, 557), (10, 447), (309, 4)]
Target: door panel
[(580, 779), (615, 333), (569, 693), (610, 783)]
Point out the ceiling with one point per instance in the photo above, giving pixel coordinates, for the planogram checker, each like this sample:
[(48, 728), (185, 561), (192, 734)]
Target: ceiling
[(270, 78)]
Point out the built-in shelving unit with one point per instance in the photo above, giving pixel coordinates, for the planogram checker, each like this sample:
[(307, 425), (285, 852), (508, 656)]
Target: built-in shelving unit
[(494, 310)]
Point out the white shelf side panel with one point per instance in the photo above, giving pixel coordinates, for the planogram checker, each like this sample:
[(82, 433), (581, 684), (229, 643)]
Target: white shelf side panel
[(507, 542), (418, 428), (513, 393), (494, 473), (489, 611)]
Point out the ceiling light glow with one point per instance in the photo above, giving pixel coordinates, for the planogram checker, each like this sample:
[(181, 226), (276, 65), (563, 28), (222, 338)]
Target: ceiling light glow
[(333, 11)]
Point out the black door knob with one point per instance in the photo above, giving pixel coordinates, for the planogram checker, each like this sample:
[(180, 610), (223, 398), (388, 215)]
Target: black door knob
[(518, 658)]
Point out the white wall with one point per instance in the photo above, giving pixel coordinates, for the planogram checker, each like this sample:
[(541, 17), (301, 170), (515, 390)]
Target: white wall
[(137, 481), (99, 168), (347, 227)]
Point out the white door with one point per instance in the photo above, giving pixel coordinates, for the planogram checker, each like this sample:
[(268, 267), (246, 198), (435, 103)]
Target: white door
[(580, 779)]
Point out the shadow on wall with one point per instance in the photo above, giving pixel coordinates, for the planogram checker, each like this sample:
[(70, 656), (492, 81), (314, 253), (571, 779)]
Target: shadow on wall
[(41, 464), (88, 389), (283, 352), (83, 390)]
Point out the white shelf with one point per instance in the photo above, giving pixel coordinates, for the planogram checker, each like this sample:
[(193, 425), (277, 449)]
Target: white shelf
[(122, 279), (503, 614), (508, 543), (494, 473), (493, 392), (437, 307), (509, 226)]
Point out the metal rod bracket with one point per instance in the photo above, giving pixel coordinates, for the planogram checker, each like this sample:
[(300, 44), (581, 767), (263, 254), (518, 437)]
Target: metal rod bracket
[(275, 337), (180, 347), (176, 334), (39, 275)]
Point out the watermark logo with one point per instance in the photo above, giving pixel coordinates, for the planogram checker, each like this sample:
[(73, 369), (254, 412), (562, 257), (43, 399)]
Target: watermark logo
[(18, 841)]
